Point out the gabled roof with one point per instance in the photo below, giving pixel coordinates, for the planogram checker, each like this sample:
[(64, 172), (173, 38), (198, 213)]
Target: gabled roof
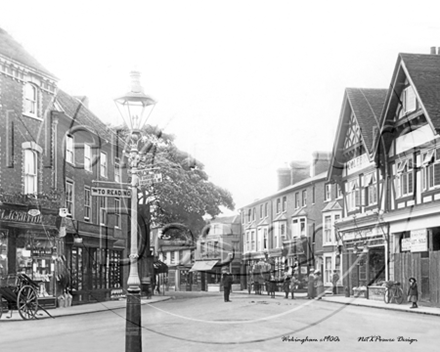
[(12, 50), (423, 73), (366, 104), (76, 110), (333, 205)]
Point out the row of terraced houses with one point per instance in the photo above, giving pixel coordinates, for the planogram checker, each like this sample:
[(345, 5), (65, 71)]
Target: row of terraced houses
[(370, 209)]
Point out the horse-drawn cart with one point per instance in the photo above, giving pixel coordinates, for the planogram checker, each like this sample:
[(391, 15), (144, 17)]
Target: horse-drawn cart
[(20, 293)]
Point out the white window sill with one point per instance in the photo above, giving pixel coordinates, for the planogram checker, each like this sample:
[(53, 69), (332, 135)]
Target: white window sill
[(32, 116)]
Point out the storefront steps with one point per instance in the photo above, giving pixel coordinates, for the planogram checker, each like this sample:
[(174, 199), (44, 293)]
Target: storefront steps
[(81, 309)]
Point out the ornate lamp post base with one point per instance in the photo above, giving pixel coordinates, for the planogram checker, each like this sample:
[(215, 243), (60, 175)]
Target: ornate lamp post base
[(133, 326)]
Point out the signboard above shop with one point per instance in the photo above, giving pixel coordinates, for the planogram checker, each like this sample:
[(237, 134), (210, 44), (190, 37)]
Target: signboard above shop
[(419, 240)]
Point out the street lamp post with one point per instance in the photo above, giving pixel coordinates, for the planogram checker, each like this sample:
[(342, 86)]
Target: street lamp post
[(135, 107)]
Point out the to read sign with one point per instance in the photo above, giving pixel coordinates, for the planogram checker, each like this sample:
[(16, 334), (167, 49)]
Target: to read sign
[(111, 192)]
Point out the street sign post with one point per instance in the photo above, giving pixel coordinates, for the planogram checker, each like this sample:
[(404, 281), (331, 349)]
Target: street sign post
[(111, 192)]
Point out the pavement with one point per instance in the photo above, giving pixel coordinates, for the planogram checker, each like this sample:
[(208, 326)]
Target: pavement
[(82, 308), (121, 303), (362, 302)]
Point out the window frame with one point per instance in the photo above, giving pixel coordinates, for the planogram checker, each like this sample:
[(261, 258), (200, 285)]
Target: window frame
[(31, 105), (304, 197), (327, 192), (103, 164), (27, 175), (70, 150), (88, 157), (87, 204), (102, 211), (70, 198)]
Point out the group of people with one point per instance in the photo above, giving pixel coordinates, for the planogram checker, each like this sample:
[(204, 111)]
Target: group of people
[(315, 287)]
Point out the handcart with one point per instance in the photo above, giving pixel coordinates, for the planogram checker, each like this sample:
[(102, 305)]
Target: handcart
[(20, 293)]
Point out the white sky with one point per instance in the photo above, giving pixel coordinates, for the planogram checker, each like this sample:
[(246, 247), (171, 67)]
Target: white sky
[(244, 85)]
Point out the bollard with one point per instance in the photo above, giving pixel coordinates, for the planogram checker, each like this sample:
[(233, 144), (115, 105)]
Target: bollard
[(347, 292)]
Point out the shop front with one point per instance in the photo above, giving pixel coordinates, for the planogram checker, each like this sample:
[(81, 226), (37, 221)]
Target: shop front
[(416, 253), (365, 257), (29, 244), (95, 261)]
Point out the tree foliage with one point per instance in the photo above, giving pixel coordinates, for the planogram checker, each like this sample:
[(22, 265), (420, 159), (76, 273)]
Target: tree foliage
[(185, 194)]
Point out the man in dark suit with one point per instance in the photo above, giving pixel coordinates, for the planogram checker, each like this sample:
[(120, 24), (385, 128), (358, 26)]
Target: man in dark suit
[(227, 284)]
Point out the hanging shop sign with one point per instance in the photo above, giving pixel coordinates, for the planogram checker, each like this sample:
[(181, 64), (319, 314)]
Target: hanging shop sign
[(419, 240)]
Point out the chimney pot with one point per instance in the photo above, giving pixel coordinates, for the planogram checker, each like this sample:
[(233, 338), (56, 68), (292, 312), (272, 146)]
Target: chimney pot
[(438, 50), (432, 50)]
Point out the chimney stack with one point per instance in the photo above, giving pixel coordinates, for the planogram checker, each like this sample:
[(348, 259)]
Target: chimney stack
[(320, 163)]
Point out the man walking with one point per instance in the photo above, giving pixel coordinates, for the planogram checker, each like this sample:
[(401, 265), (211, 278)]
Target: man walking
[(335, 279), (227, 284)]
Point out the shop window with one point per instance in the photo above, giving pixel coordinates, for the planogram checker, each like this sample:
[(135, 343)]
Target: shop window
[(30, 166), (77, 268), (3, 253), (404, 178), (118, 212)]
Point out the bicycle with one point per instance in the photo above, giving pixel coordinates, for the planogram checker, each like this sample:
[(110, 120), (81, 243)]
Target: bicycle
[(393, 291)]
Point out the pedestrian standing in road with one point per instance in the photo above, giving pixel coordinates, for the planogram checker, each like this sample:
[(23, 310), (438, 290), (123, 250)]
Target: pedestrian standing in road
[(311, 286), (335, 279), (287, 281), (413, 292), (292, 286), (227, 284), (319, 284)]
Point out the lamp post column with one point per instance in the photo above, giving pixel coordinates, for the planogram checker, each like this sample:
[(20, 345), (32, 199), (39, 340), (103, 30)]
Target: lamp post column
[(133, 332)]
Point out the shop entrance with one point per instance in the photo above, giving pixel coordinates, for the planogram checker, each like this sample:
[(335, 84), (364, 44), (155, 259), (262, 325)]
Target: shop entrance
[(376, 265)]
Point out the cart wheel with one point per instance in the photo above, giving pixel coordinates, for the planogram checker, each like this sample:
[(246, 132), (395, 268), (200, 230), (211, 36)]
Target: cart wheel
[(27, 302)]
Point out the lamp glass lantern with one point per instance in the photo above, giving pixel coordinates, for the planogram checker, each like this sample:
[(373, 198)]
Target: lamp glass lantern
[(135, 106)]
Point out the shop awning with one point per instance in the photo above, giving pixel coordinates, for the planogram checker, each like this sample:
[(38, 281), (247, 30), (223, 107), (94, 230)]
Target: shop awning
[(160, 267), (205, 265)]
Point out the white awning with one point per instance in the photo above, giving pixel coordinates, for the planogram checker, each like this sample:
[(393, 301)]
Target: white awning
[(203, 265)]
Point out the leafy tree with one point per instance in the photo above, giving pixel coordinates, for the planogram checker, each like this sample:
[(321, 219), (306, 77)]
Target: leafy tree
[(185, 194)]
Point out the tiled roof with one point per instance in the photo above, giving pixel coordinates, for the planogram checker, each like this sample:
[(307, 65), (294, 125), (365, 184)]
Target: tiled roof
[(11, 49), (82, 115), (424, 71), (367, 105)]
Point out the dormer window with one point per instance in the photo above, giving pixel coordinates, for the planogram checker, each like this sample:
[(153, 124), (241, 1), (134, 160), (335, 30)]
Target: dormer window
[(408, 100)]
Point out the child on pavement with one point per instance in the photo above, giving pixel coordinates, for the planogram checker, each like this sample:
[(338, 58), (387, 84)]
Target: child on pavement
[(413, 292)]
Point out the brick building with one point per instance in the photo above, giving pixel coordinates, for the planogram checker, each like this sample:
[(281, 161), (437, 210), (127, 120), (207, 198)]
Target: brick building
[(51, 149), (285, 228)]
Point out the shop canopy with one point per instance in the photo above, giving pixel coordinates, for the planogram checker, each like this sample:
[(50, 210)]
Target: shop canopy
[(205, 265), (160, 267)]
